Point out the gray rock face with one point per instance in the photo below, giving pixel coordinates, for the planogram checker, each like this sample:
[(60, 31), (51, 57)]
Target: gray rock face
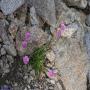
[(63, 12), (5, 65), (9, 6), (71, 56), (33, 19), (88, 20), (87, 40), (60, 7), (46, 10), (77, 3), (10, 49), (70, 30), (88, 2), (71, 61), (8, 45)]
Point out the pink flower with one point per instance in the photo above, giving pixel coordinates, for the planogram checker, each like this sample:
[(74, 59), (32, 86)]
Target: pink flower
[(27, 36), (25, 59), (51, 73), (60, 29), (62, 25), (24, 44)]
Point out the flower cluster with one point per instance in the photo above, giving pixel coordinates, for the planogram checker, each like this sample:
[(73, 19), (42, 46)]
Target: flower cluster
[(27, 38), (24, 45)]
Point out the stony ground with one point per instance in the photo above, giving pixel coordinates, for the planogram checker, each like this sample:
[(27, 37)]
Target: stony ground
[(65, 24)]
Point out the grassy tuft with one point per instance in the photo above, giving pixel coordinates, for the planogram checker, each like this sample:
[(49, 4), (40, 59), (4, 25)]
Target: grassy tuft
[(37, 60)]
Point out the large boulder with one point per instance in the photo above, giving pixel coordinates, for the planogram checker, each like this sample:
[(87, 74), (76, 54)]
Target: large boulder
[(67, 14), (9, 6), (71, 56), (46, 10), (71, 61)]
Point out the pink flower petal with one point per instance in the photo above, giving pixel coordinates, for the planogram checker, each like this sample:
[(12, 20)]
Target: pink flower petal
[(27, 36), (51, 73), (24, 44), (25, 59)]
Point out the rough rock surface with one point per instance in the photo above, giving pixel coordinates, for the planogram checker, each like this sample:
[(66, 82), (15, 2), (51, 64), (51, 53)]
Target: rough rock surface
[(50, 56), (71, 62), (88, 20), (46, 10), (9, 6), (68, 56), (87, 40), (89, 3), (34, 20), (71, 57), (70, 30), (78, 3), (8, 44)]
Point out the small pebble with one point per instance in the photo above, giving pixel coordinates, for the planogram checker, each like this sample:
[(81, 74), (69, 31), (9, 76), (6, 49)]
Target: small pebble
[(3, 52), (52, 81)]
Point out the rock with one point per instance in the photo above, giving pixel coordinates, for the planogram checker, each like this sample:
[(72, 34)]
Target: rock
[(87, 41), (50, 56), (77, 3), (60, 7), (89, 76), (10, 49), (18, 88), (58, 86), (32, 73), (71, 60), (5, 87), (52, 81), (10, 59), (3, 52), (0, 46), (9, 6), (68, 15), (0, 39), (88, 2), (46, 10), (37, 39), (88, 80), (25, 88), (49, 65), (70, 53), (13, 29), (5, 66), (88, 21), (8, 46), (21, 14), (28, 87), (70, 30), (33, 16), (1, 15)]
